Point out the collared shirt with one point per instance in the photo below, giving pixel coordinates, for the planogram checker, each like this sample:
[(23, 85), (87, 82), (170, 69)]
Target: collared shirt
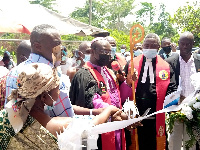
[(63, 107), (165, 55), (186, 70)]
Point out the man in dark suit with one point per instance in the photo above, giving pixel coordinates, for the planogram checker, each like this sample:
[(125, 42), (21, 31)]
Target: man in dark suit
[(167, 48), (183, 65)]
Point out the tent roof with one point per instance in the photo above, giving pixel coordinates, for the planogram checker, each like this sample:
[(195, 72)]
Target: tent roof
[(23, 18)]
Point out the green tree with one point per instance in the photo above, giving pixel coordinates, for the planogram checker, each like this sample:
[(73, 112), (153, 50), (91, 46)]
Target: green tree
[(98, 13), (46, 3), (146, 13), (106, 13), (116, 11), (120, 37), (187, 19), (164, 27)]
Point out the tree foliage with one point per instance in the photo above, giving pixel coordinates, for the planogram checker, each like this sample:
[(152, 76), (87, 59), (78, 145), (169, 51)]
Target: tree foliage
[(187, 19), (98, 13), (164, 27), (46, 3), (105, 13), (146, 13), (120, 37)]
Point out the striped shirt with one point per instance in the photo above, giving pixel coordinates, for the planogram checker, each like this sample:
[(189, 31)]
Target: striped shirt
[(63, 107)]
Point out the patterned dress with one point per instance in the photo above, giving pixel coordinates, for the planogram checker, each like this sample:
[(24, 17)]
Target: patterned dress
[(2, 91), (32, 136)]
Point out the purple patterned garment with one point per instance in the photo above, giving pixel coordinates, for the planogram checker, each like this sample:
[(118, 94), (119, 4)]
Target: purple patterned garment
[(114, 97)]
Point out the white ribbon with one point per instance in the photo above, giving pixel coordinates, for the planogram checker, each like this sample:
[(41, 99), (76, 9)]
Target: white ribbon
[(148, 64), (116, 125)]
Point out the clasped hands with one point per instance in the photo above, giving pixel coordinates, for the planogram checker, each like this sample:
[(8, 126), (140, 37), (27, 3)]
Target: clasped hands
[(120, 115)]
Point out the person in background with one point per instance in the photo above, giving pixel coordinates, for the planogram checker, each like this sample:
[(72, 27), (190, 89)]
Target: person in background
[(123, 50), (127, 56), (115, 56), (153, 84), (85, 48), (63, 55), (184, 65), (138, 49), (3, 73), (82, 55), (8, 62), (166, 46), (165, 43), (118, 58), (23, 51)]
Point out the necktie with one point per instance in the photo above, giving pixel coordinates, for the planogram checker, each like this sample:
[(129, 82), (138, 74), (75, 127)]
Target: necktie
[(167, 55)]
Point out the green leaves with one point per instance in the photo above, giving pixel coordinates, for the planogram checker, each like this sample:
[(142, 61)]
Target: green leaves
[(187, 18), (105, 13), (46, 3)]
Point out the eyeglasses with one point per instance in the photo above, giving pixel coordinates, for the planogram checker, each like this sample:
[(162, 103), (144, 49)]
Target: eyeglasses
[(104, 51)]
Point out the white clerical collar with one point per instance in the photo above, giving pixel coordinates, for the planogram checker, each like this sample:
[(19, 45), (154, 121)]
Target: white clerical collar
[(148, 64)]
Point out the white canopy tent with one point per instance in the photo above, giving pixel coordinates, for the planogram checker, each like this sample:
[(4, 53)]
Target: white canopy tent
[(21, 17)]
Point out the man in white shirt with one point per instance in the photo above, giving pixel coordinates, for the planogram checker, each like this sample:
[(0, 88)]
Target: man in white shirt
[(184, 66)]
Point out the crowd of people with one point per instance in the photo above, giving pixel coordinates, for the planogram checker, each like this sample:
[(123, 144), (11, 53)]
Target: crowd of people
[(46, 91)]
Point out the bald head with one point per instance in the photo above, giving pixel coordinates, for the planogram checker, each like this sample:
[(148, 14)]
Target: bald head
[(111, 40), (39, 31), (23, 51), (186, 42), (99, 43), (85, 47), (151, 41), (165, 42), (100, 52), (187, 35), (153, 36), (44, 38)]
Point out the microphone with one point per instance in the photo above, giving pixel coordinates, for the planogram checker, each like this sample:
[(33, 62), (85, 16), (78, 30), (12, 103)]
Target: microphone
[(116, 67)]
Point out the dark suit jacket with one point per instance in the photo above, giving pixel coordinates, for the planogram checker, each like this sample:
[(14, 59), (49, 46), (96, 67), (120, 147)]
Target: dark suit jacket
[(175, 65), (162, 55)]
